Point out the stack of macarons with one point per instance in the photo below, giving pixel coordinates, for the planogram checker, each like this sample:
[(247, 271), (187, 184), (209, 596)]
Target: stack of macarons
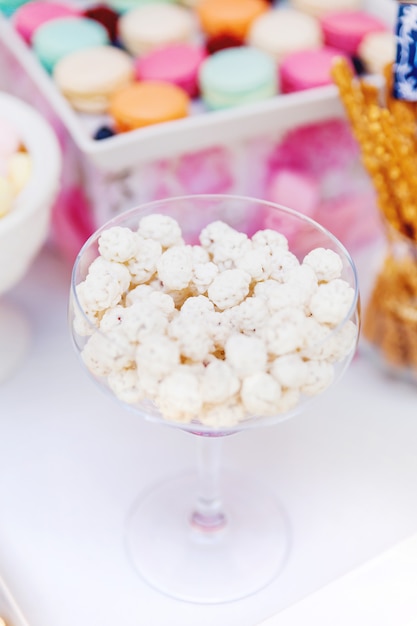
[(15, 166), (142, 62)]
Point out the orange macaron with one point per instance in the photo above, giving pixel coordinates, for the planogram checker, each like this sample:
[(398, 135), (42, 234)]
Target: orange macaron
[(229, 16), (147, 102)]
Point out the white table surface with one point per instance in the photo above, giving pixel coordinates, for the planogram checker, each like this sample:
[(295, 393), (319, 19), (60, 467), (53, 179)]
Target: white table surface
[(72, 461)]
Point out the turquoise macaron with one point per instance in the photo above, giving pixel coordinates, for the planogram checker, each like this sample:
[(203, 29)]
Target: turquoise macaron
[(55, 39), (236, 76), (8, 7)]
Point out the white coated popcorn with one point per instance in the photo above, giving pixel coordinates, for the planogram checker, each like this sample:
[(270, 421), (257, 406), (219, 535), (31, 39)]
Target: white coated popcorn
[(194, 339), (289, 399), (220, 332), (245, 354), (143, 266), (112, 318), (331, 302), (257, 262), (161, 228), (99, 293), (82, 326), (199, 255), (270, 239), (141, 320), (125, 386), (102, 267), (159, 355), (285, 331), (179, 396), (229, 288), (250, 316), (138, 294), (162, 301), (224, 415), (118, 243), (175, 267), (342, 342), (304, 279), (325, 263), (224, 243), (203, 275), (260, 394), (103, 354), (289, 370), (282, 262), (317, 339), (224, 323), (320, 375), (198, 307), (218, 382)]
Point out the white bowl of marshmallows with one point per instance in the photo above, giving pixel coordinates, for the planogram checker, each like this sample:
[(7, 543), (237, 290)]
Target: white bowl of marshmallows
[(30, 168)]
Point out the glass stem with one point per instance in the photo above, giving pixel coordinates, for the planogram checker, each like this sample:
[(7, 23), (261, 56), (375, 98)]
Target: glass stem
[(208, 515)]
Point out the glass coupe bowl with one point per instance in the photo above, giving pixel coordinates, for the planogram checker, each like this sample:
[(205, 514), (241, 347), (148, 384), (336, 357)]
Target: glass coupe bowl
[(256, 347)]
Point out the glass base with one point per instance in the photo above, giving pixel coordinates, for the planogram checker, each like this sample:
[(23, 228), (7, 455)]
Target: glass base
[(208, 567)]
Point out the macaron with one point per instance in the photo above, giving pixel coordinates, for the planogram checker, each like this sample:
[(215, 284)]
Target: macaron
[(175, 63), (306, 69), (154, 25), (148, 102), (222, 41), (318, 8), (376, 50), (57, 38), (31, 15), (121, 6), (88, 77), (229, 16), (282, 31), (345, 30), (237, 76), (8, 7), (105, 16)]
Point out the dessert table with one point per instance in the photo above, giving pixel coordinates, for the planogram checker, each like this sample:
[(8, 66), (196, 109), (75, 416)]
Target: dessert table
[(73, 461)]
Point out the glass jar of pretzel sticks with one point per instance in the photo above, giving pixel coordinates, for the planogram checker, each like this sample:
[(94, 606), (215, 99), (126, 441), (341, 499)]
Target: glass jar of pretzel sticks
[(389, 325), (385, 127)]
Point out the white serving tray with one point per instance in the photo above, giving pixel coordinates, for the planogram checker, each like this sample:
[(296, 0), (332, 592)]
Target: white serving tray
[(202, 129)]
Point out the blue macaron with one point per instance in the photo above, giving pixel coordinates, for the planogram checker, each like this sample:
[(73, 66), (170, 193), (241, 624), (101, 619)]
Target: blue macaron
[(55, 39)]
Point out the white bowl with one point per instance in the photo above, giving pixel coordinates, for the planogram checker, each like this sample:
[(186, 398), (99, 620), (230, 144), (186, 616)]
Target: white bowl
[(25, 229)]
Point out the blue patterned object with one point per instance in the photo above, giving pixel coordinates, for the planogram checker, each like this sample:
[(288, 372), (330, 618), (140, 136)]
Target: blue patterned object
[(405, 66)]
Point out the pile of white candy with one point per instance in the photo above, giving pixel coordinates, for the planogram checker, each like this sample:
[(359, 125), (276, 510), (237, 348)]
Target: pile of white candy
[(233, 328)]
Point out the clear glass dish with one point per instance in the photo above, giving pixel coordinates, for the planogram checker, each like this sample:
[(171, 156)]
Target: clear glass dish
[(179, 535)]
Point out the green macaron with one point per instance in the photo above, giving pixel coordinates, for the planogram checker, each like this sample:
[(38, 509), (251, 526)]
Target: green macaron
[(237, 76), (59, 37)]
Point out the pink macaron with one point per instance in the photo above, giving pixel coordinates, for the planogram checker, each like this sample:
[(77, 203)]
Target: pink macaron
[(306, 69), (174, 63), (344, 30), (31, 15)]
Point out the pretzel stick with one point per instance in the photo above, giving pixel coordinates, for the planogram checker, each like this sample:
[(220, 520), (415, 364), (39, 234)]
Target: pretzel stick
[(366, 123)]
